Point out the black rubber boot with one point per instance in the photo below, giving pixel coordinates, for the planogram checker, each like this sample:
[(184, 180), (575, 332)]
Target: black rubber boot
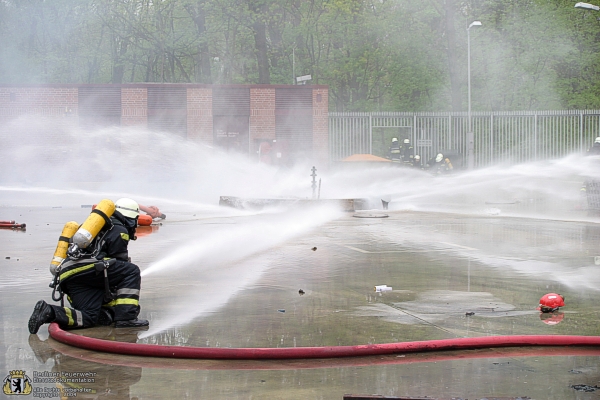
[(42, 314), (105, 318), (132, 323)]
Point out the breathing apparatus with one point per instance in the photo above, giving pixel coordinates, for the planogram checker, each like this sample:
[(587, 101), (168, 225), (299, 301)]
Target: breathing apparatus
[(86, 233), (74, 245), (63, 244)]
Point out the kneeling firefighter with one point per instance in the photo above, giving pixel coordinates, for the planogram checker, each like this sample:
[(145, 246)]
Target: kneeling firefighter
[(100, 282)]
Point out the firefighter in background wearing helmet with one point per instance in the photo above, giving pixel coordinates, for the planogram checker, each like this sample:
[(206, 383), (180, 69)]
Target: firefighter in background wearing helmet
[(417, 162), (590, 190), (595, 149), (86, 287), (407, 152), (440, 165), (395, 151)]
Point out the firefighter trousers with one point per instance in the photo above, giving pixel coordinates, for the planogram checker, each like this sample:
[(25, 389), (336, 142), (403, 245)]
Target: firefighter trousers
[(86, 290)]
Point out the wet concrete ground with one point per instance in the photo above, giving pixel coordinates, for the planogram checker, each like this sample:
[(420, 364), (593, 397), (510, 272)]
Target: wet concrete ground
[(452, 276)]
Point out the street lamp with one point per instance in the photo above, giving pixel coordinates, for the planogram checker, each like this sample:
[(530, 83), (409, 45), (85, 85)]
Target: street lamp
[(587, 6), (470, 136)]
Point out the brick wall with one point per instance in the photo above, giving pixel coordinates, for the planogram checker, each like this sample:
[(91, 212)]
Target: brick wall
[(134, 107), (44, 118), (199, 115), (55, 107), (321, 127), (47, 110), (54, 103), (262, 113), (47, 101)]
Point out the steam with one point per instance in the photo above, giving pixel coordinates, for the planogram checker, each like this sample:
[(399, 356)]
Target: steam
[(176, 174), (138, 162)]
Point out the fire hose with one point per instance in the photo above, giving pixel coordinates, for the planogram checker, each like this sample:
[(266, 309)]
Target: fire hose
[(221, 353)]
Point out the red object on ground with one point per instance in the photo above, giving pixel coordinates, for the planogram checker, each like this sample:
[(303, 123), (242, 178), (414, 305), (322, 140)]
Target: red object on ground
[(149, 362), (224, 353), (144, 220), (152, 211), (12, 226), (552, 300), (7, 222)]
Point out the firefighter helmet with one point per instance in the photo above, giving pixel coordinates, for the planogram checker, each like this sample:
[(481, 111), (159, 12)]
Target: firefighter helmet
[(128, 208), (551, 302)]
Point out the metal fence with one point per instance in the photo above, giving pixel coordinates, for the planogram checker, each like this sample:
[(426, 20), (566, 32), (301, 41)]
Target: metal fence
[(511, 137)]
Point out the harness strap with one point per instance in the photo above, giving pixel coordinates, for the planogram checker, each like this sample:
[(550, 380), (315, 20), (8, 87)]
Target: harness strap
[(104, 216), (103, 265)]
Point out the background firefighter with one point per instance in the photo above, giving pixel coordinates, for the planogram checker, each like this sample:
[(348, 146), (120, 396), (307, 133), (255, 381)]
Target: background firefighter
[(407, 152), (99, 291), (440, 165), (394, 151)]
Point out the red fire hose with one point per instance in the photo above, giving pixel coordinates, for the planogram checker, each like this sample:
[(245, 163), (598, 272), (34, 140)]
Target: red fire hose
[(11, 225), (413, 358), (151, 350)]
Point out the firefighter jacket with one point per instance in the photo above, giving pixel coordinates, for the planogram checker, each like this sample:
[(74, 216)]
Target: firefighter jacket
[(114, 242), (111, 242), (395, 151)]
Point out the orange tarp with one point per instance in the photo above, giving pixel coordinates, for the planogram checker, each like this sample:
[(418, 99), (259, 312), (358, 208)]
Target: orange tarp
[(366, 157)]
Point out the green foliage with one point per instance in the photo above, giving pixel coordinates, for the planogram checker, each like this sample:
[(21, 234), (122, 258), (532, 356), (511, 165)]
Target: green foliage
[(375, 55)]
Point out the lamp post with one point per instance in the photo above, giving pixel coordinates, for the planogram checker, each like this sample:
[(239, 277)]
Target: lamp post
[(470, 136)]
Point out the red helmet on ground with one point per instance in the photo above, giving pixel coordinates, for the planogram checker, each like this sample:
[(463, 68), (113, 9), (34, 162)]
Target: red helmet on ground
[(551, 302)]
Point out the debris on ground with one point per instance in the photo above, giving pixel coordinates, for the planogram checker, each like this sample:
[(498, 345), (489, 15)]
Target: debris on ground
[(12, 225), (585, 388)]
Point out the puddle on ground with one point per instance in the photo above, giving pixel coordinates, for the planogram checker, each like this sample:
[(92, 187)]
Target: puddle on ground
[(441, 267)]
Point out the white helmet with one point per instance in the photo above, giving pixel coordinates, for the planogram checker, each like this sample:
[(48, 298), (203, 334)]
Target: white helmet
[(417, 157), (597, 140), (394, 140), (128, 208), (439, 157), (406, 141)]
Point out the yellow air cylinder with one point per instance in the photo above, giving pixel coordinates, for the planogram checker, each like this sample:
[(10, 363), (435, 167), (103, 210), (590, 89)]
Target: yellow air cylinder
[(92, 225), (63, 243)]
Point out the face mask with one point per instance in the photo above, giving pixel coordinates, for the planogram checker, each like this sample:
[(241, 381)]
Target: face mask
[(130, 224)]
